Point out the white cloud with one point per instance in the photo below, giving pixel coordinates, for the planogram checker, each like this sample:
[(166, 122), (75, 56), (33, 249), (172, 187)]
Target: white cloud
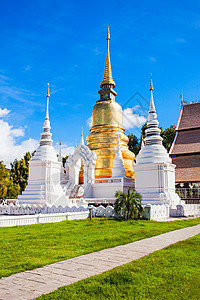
[(97, 51), (4, 112), (10, 149), (11, 91), (182, 41), (89, 122), (65, 150), (131, 119), (153, 59), (27, 68)]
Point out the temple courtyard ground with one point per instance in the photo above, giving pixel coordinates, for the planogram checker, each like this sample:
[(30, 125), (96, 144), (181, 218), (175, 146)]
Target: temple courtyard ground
[(28, 247)]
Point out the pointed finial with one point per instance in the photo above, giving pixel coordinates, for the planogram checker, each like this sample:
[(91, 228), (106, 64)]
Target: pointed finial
[(108, 34), (47, 111), (82, 139), (152, 106), (76, 144), (60, 143), (48, 94), (151, 84)]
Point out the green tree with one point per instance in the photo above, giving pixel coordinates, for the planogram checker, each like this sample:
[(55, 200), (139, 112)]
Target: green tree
[(168, 136), (20, 171), (8, 189), (64, 160), (129, 204), (4, 180), (144, 127), (133, 143), (13, 190)]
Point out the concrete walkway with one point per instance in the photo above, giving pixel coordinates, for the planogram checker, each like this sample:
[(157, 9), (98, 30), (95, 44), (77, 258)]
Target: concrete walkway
[(31, 284)]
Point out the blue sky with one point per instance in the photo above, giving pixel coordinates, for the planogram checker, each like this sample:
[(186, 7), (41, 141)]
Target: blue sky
[(64, 43)]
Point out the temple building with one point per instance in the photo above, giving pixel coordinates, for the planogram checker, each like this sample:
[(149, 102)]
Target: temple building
[(107, 118), (185, 152), (104, 165)]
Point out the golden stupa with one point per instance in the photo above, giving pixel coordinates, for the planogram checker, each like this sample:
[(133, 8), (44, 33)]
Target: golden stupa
[(107, 118)]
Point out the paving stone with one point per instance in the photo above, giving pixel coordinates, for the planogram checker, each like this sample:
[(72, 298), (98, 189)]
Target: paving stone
[(31, 284)]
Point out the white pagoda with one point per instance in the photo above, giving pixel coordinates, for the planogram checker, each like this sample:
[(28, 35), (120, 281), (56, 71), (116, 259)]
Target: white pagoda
[(154, 171), (44, 172)]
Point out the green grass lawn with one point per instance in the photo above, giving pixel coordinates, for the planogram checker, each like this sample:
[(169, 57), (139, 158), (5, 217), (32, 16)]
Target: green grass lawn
[(28, 247), (171, 273)]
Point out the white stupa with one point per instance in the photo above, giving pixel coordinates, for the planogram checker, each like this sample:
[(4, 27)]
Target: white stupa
[(154, 171), (44, 172), (118, 169)]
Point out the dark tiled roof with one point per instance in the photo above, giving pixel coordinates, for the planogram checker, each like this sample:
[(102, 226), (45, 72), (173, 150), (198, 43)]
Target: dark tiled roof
[(187, 168), (190, 117), (187, 142), (187, 145)]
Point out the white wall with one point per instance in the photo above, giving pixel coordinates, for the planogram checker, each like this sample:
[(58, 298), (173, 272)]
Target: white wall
[(41, 218)]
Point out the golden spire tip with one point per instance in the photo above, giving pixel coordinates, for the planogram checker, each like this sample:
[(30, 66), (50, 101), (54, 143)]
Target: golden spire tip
[(48, 94), (151, 85), (108, 34)]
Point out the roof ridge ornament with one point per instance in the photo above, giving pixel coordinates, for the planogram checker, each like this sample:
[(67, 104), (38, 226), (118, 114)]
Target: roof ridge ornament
[(181, 96)]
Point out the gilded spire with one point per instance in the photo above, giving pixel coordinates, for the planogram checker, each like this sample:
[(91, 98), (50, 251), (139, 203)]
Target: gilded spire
[(107, 78), (151, 84), (48, 94)]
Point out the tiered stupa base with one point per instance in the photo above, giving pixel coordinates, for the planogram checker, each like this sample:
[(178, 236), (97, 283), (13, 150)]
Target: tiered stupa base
[(103, 139)]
